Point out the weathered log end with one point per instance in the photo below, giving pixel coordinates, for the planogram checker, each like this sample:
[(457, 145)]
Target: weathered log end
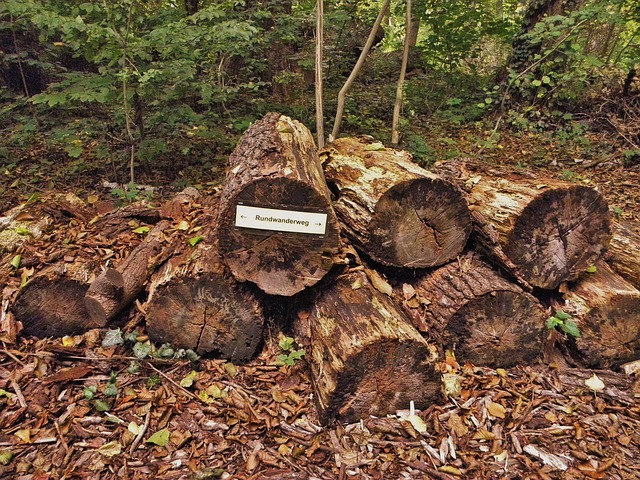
[(366, 359), (559, 234), (419, 223), (607, 310), (624, 251), (470, 308), (396, 212), (53, 308), (275, 167), (104, 296), (211, 315)]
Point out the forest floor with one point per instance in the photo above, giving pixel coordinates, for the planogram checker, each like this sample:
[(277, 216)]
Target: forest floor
[(80, 407)]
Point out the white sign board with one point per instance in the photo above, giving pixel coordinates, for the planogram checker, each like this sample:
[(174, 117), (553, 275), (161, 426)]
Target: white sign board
[(281, 220)]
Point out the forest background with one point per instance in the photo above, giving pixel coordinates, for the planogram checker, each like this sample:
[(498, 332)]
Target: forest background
[(159, 91)]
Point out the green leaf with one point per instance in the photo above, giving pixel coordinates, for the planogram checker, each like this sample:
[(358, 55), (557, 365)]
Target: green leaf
[(195, 240), (112, 338), (374, 147), (591, 269), (23, 231), (5, 457), (101, 405), (111, 390), (160, 438), (89, 392), (165, 351), (536, 83), (187, 381), (571, 328), (4, 393), (286, 343), (142, 349), (553, 322), (141, 230), (15, 261), (562, 315)]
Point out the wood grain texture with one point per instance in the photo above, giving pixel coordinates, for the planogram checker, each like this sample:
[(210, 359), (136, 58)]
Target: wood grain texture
[(624, 251), (275, 165), (366, 358), (396, 212)]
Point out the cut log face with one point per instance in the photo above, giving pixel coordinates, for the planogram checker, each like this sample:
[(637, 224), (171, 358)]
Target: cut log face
[(396, 212), (470, 308), (607, 311), (366, 359), (194, 304), (275, 166), (542, 231), (624, 251), (52, 303)]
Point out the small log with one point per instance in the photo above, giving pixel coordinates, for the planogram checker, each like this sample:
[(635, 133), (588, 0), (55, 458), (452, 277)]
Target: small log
[(51, 304), (396, 212), (542, 231), (366, 358), (606, 309), (290, 245), (116, 288), (470, 308), (624, 251), (195, 303)]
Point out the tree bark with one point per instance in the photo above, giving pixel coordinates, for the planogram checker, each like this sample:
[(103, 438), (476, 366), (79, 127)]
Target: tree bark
[(275, 166), (542, 231), (393, 210), (195, 303), (366, 358), (624, 251), (469, 307), (606, 309)]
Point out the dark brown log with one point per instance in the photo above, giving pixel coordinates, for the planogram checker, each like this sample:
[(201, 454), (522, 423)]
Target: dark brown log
[(624, 251), (195, 303), (606, 309), (276, 166), (116, 288), (52, 303), (470, 308), (396, 212), (542, 231), (366, 358)]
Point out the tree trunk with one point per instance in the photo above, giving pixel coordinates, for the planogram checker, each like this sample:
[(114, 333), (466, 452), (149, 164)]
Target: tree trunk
[(194, 303), (542, 231), (624, 251), (51, 304), (276, 227), (393, 210), (606, 309), (366, 359), (467, 306)]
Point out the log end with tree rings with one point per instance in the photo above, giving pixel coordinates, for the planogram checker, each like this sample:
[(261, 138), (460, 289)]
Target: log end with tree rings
[(212, 315), (53, 307), (279, 262), (499, 329), (419, 223), (559, 234)]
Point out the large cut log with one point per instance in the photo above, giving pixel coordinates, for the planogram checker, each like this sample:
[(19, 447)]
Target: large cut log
[(396, 212), (542, 231), (470, 308), (276, 227), (624, 251), (194, 302), (366, 358), (51, 303), (606, 309)]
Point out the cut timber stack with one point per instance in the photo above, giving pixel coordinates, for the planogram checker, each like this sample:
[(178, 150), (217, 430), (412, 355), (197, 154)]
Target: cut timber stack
[(194, 302), (606, 309), (471, 308), (366, 358), (543, 232), (275, 176), (396, 212), (624, 251)]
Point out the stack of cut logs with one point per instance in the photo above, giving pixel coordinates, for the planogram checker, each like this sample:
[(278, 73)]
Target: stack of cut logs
[(383, 265)]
